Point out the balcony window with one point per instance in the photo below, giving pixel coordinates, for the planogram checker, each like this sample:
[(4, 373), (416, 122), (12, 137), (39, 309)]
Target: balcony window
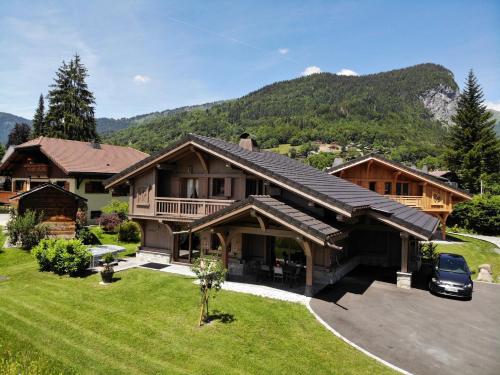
[(192, 188), (218, 187), (388, 188), (402, 188)]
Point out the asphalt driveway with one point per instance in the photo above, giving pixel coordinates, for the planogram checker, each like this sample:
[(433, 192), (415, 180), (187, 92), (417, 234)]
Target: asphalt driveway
[(412, 329)]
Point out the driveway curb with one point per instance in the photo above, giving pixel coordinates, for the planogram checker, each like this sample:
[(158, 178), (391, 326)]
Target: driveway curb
[(364, 351)]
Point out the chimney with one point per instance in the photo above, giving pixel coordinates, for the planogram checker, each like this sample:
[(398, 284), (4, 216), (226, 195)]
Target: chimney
[(248, 143)]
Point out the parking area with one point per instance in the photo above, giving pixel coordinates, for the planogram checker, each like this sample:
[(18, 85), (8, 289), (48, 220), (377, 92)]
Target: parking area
[(412, 329)]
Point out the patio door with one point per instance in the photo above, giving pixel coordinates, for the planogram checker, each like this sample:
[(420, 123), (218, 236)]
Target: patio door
[(192, 188)]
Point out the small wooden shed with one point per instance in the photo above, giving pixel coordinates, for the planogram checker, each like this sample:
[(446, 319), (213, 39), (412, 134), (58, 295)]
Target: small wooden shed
[(59, 207)]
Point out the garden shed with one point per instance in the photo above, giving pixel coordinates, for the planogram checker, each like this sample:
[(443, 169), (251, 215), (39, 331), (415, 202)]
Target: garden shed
[(58, 205)]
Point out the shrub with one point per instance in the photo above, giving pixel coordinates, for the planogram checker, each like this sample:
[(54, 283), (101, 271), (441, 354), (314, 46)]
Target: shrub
[(87, 237), (27, 229), (129, 231), (116, 207), (109, 222), (62, 256), (481, 214)]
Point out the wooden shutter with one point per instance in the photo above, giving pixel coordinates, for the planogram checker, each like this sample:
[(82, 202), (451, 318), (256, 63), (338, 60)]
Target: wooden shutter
[(175, 187), (203, 187), (227, 187)]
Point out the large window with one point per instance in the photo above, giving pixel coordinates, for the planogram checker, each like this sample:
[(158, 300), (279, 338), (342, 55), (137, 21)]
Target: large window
[(94, 187), (388, 188), (192, 188), (402, 188), (218, 187)]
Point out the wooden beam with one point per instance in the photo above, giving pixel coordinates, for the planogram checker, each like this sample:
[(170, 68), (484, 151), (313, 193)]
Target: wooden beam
[(308, 251), (404, 252), (223, 241), (256, 230), (259, 218), (200, 158)]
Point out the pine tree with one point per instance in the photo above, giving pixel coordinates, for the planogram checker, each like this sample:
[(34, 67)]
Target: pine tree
[(20, 133), (474, 150), (71, 112), (39, 119)]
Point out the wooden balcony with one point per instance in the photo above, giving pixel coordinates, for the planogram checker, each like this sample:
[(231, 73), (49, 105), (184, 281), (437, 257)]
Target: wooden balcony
[(5, 196), (37, 168), (186, 208), (409, 200)]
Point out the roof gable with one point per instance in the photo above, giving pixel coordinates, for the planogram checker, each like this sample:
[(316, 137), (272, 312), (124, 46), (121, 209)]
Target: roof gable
[(83, 157), (420, 175), (326, 190)]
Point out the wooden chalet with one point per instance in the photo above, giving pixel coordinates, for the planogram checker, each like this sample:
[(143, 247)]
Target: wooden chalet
[(79, 167), (429, 193), (256, 209), (58, 205)]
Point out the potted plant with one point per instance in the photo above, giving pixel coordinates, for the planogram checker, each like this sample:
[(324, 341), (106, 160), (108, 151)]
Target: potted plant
[(107, 272)]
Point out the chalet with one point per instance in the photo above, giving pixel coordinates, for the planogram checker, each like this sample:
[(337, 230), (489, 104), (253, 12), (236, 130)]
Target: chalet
[(57, 205), (430, 193), (79, 167), (254, 208)]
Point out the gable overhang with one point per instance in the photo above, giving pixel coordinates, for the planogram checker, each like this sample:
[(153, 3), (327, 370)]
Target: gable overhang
[(173, 151), (389, 220), (404, 171), (247, 209)]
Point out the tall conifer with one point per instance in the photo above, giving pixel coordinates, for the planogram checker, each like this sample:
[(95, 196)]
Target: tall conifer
[(474, 149), (39, 119), (71, 111)]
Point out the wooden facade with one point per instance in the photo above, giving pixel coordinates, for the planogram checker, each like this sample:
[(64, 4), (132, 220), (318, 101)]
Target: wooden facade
[(59, 208), (411, 188), (171, 194)]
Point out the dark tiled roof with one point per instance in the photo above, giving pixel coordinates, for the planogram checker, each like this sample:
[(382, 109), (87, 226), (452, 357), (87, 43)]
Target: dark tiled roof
[(434, 179), (328, 188), (275, 207), (45, 186)]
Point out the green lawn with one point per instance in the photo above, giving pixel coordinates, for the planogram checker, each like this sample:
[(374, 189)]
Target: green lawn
[(475, 252), (283, 149), (145, 323)]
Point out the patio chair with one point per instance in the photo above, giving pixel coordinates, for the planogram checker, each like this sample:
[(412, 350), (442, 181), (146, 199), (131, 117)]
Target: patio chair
[(263, 272), (278, 274), (294, 276)]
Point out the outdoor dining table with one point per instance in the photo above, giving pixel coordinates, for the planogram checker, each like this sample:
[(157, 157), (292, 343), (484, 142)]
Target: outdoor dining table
[(98, 252)]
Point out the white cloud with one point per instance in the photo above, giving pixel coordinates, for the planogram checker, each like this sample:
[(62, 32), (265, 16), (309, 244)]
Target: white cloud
[(141, 79), (311, 70), (283, 51), (346, 72), (494, 105)]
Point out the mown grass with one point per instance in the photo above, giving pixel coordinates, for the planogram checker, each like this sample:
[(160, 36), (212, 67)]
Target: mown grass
[(283, 148), (475, 252), (145, 323)]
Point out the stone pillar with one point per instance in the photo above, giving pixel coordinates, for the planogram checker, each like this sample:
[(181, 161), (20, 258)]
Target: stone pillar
[(403, 276)]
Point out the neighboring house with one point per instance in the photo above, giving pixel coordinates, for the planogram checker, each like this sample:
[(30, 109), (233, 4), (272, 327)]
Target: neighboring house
[(79, 167), (254, 208), (58, 206), (433, 194)]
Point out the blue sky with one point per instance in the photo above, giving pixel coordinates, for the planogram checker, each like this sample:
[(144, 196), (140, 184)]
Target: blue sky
[(145, 56)]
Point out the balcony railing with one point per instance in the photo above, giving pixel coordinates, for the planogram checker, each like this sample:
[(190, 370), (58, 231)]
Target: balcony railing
[(408, 200), (188, 208), (38, 168)]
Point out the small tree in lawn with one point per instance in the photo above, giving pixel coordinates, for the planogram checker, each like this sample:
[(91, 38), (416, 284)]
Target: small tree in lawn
[(211, 273)]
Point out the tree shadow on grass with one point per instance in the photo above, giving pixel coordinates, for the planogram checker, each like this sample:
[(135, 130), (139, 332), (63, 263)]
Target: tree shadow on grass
[(221, 316)]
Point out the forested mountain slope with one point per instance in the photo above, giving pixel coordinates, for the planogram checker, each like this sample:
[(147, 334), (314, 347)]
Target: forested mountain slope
[(396, 110)]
